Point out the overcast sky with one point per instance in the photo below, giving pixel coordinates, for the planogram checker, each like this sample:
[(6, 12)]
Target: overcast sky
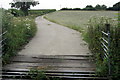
[(57, 4)]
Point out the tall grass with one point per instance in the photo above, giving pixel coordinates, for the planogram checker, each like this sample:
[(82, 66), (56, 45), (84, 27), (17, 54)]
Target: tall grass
[(19, 31), (93, 38)]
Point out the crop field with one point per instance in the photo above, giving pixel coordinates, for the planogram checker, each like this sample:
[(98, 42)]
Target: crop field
[(78, 19)]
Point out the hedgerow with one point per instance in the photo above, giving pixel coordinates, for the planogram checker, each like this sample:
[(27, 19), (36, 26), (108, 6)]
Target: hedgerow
[(41, 12)]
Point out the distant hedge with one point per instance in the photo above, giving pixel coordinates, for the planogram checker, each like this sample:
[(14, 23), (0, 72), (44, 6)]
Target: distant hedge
[(41, 11)]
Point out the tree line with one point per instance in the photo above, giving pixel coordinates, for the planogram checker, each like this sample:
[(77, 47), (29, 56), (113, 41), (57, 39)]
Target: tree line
[(115, 7)]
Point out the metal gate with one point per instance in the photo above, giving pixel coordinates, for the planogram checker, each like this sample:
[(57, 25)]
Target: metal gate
[(2, 44), (105, 44)]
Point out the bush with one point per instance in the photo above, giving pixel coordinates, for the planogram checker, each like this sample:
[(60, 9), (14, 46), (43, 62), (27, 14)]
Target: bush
[(93, 38)]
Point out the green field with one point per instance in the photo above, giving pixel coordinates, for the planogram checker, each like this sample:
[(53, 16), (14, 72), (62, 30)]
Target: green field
[(78, 19)]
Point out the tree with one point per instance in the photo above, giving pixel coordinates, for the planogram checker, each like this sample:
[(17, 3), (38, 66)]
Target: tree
[(116, 6), (103, 7), (23, 5), (100, 7), (89, 7)]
